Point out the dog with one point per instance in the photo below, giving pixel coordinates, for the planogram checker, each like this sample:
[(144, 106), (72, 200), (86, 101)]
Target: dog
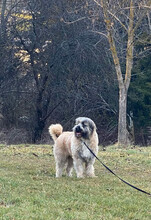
[(69, 149)]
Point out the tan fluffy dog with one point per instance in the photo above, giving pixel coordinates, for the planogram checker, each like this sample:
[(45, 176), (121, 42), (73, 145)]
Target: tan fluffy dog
[(70, 150)]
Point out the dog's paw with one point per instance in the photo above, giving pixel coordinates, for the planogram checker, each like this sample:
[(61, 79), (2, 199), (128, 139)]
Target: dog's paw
[(92, 176)]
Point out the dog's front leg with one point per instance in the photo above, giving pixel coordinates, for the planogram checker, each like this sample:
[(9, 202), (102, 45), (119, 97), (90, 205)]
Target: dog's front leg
[(78, 165), (90, 169)]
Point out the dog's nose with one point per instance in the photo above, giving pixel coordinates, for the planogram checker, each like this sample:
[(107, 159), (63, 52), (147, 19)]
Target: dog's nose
[(78, 129)]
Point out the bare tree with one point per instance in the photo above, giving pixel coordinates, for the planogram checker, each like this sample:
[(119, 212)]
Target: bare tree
[(55, 66), (123, 17)]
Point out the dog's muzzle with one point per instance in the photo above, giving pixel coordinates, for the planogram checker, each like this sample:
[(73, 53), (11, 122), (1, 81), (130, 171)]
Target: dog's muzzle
[(78, 132)]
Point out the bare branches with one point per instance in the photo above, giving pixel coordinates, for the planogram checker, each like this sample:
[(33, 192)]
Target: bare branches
[(139, 20), (146, 6), (113, 15), (123, 79), (72, 22), (118, 20), (100, 33), (98, 3)]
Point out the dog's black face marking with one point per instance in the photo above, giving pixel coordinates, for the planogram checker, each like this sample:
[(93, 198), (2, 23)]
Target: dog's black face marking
[(78, 129), (92, 126), (84, 127)]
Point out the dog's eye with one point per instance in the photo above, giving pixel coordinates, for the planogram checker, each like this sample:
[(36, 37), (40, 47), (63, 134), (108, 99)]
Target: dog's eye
[(84, 124)]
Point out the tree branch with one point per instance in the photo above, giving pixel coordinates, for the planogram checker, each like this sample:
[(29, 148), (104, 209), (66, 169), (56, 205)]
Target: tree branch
[(118, 20), (101, 5), (100, 33), (49, 113), (130, 46), (72, 22), (112, 44)]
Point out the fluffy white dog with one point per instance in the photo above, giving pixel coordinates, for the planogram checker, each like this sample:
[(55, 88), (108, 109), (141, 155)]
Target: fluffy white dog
[(70, 150)]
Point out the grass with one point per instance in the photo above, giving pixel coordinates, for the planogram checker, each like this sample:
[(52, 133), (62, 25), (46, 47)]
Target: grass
[(29, 189)]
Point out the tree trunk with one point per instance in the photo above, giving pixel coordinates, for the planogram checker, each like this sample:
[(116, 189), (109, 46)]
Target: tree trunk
[(122, 128), (3, 22), (39, 123), (38, 130), (123, 82)]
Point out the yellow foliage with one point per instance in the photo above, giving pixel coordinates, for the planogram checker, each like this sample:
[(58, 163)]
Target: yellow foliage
[(21, 15), (24, 26), (23, 55), (37, 50)]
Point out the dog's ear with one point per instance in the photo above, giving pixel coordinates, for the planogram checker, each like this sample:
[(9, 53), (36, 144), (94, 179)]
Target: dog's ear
[(78, 120), (92, 125)]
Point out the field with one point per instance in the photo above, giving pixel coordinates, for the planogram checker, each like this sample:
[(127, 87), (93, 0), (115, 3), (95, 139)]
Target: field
[(29, 189)]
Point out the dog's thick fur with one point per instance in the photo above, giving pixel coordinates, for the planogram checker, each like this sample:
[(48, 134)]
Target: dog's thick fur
[(69, 149)]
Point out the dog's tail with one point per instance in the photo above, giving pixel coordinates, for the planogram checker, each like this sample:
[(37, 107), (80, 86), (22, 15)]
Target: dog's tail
[(55, 130)]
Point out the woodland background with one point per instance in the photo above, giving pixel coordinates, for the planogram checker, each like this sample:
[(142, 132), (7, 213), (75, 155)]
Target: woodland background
[(56, 65)]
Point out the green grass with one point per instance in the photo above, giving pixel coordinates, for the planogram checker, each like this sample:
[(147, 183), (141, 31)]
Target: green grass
[(29, 189)]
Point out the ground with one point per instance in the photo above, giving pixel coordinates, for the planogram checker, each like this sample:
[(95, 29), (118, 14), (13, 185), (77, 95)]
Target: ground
[(29, 189)]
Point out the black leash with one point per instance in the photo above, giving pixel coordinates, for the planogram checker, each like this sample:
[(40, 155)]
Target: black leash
[(115, 173)]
